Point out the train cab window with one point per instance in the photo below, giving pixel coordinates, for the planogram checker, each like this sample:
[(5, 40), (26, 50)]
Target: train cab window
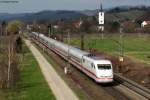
[(103, 67), (90, 55)]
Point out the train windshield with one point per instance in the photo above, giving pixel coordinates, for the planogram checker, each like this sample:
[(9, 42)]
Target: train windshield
[(104, 67)]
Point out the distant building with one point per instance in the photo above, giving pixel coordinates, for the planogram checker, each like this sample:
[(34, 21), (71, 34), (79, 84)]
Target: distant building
[(145, 23), (29, 27), (78, 24), (56, 26)]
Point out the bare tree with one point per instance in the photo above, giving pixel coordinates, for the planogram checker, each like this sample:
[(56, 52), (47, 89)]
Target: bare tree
[(12, 29)]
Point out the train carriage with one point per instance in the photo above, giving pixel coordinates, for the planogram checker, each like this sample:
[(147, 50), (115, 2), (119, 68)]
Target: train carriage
[(97, 68)]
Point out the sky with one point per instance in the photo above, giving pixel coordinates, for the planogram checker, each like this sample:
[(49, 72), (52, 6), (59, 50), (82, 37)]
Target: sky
[(27, 6)]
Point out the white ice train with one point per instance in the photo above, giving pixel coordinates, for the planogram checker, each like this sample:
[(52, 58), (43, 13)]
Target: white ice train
[(99, 69)]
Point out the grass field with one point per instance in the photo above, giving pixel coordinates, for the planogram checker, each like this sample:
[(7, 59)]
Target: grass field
[(32, 85), (134, 46)]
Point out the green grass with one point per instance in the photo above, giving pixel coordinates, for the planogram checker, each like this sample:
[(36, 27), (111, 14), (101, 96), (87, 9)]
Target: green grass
[(68, 81), (135, 47), (32, 85)]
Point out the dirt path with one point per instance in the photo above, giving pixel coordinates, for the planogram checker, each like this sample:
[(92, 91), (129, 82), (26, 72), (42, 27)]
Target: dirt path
[(58, 86)]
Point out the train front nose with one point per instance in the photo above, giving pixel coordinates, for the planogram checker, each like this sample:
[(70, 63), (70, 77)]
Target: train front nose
[(105, 76), (104, 73), (105, 79)]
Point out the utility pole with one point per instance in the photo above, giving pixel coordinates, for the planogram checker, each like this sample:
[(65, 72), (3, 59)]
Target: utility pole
[(68, 47), (121, 55), (121, 42), (39, 27), (49, 30), (68, 58), (1, 30), (101, 20), (9, 63), (82, 41), (81, 34), (0, 35)]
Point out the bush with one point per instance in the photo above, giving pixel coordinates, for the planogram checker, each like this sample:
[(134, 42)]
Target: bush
[(19, 45)]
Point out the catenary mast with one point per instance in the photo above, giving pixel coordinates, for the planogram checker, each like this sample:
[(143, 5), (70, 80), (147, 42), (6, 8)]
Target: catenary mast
[(101, 19)]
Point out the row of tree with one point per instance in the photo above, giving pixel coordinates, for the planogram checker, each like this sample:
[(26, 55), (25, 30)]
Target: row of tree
[(88, 25), (10, 47)]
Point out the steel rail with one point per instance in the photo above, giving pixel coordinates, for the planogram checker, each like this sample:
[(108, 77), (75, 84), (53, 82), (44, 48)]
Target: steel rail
[(143, 91)]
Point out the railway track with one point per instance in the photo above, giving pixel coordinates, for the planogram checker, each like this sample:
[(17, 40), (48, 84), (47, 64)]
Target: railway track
[(115, 89), (133, 86)]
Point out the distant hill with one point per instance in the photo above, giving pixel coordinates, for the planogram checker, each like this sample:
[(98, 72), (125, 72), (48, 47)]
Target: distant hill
[(7, 16), (120, 13), (128, 8), (43, 15), (88, 12), (122, 16), (117, 16), (113, 14)]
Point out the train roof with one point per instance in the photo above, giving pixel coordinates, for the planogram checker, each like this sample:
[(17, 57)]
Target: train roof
[(94, 57), (98, 58), (79, 51), (74, 50)]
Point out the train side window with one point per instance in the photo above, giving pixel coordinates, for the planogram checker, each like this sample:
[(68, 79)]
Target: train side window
[(92, 65), (83, 60)]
